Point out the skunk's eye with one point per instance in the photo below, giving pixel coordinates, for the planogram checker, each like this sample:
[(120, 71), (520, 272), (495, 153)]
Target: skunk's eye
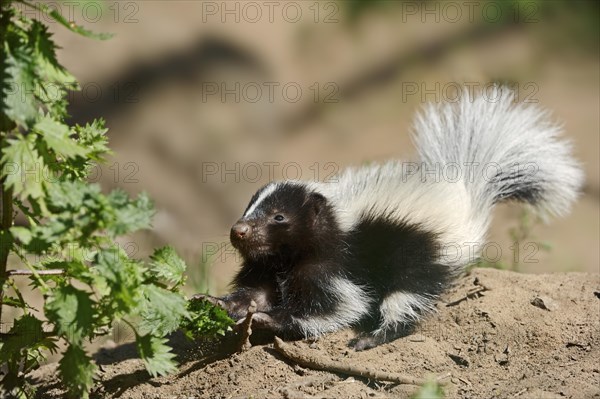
[(279, 218)]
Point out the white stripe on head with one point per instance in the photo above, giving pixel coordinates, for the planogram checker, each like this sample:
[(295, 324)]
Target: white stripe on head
[(266, 192)]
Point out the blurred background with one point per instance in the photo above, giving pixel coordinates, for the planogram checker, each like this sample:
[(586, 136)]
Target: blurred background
[(208, 100)]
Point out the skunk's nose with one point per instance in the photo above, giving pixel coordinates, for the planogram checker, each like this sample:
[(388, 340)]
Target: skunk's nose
[(240, 230)]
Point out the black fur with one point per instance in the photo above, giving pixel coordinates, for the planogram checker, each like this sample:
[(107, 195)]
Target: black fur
[(519, 182), (391, 256), (289, 265)]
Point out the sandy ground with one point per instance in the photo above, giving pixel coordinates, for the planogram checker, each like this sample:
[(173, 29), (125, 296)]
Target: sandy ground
[(499, 343)]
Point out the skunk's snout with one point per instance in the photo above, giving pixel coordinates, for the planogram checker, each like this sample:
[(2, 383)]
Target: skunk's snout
[(240, 231), (249, 238)]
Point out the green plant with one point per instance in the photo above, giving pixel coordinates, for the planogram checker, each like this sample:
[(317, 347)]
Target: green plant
[(524, 245), (200, 282), (67, 248), (430, 390), (206, 320)]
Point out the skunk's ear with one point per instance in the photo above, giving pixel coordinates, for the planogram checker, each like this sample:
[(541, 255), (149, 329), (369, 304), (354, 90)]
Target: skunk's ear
[(317, 203)]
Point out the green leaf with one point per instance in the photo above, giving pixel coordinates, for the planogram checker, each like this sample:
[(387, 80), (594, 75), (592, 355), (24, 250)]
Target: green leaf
[(19, 85), (71, 311), (77, 370), (73, 267), (25, 332), (156, 355), (129, 215), (71, 223), (43, 237), (72, 26), (13, 302), (123, 277), (57, 137), (23, 167), (23, 234), (161, 310), (53, 81), (48, 67), (25, 340), (71, 195), (168, 265), (93, 137), (207, 320)]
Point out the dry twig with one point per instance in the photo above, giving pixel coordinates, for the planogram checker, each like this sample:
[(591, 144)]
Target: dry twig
[(316, 363), (246, 328), (522, 391), (474, 293)]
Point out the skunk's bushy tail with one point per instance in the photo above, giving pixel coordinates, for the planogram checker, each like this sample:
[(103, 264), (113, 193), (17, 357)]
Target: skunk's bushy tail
[(505, 151)]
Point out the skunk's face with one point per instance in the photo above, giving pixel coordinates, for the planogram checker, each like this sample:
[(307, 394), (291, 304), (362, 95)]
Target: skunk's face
[(280, 221)]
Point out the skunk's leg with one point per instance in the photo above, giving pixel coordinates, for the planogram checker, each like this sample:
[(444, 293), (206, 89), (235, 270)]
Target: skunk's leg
[(398, 312)]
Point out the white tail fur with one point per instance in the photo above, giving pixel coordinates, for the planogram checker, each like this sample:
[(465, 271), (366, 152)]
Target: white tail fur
[(512, 151)]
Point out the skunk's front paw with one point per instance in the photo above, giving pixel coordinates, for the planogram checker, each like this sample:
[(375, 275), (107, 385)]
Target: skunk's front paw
[(261, 320), (209, 298)]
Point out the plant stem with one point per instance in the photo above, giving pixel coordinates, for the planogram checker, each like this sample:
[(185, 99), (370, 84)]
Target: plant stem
[(6, 221), (49, 272), (6, 207), (6, 124)]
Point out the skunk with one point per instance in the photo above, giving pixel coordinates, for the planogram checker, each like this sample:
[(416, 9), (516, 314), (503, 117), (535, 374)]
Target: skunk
[(376, 248)]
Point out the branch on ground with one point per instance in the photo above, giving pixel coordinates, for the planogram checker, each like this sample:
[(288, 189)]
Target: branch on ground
[(246, 328), (308, 360)]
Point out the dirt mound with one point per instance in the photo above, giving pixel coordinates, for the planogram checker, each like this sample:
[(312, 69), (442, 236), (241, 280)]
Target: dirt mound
[(497, 333)]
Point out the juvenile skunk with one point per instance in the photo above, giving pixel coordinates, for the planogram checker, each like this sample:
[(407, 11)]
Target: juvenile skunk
[(374, 250)]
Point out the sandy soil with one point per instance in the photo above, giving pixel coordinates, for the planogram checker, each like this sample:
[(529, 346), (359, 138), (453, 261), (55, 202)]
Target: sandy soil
[(526, 336)]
